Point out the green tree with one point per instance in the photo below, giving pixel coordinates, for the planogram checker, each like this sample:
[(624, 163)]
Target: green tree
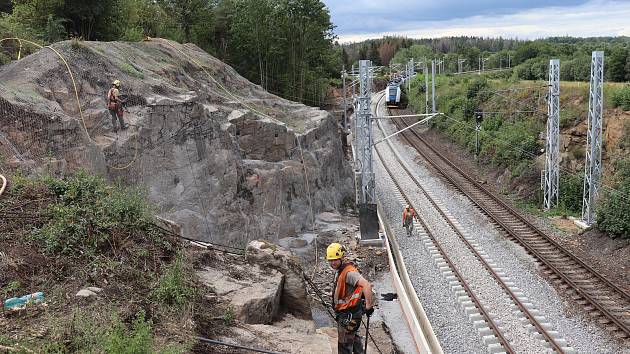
[(616, 64), (187, 13), (374, 55)]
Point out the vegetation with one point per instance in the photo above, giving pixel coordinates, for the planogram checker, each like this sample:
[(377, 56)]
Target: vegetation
[(530, 59), (621, 98), (83, 232), (285, 46), (613, 217)]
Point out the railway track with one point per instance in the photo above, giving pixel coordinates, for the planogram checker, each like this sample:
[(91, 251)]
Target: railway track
[(519, 300), (603, 300)]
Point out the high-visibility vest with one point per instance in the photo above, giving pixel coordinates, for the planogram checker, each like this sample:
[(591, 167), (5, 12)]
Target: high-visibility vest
[(411, 212), (342, 299), (112, 101)]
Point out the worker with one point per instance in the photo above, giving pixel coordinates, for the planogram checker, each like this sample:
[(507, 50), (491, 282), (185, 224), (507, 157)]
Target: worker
[(352, 296), (407, 218), (114, 105)]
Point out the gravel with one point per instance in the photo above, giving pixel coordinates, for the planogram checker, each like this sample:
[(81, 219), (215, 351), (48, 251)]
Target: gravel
[(580, 333)]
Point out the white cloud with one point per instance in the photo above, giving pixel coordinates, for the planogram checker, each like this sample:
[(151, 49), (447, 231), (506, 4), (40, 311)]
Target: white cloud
[(594, 18)]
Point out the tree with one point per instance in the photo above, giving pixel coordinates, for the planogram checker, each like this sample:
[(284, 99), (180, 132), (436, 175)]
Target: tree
[(386, 52), (373, 54), (186, 13), (616, 64)]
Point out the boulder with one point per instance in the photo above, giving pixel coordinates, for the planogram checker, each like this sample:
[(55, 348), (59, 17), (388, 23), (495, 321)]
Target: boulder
[(259, 302), (285, 340), (294, 297), (255, 296)]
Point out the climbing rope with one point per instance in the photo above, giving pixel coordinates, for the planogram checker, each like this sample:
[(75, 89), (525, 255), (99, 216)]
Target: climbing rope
[(74, 84), (4, 184)]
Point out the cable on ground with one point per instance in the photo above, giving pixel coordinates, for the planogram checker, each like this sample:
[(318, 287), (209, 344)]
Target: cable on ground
[(217, 342)]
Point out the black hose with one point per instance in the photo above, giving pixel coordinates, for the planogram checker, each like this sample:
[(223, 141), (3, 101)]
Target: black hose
[(211, 244), (218, 342)]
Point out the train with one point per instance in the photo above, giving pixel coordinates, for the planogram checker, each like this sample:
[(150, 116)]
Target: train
[(394, 96)]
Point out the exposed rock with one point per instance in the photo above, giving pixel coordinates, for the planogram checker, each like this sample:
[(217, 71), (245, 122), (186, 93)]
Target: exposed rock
[(294, 297), (254, 293), (259, 302), (285, 340), (85, 293), (94, 289), (226, 160)]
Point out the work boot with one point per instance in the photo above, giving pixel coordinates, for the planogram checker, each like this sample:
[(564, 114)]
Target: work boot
[(124, 126)]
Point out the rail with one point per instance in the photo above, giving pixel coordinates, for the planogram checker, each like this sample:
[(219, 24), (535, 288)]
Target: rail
[(585, 290)]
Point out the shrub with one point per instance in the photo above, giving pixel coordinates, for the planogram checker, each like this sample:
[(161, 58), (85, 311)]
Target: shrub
[(88, 211), (173, 287), (118, 339), (570, 192), (621, 98), (612, 215)]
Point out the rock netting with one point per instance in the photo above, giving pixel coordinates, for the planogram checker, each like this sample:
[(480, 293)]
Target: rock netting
[(221, 157)]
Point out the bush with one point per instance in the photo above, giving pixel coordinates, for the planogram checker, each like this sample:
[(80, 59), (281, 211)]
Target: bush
[(139, 340), (88, 211), (511, 143), (621, 98), (570, 192), (612, 212), (173, 287)]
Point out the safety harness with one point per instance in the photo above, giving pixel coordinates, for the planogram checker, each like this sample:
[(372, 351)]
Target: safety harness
[(344, 300)]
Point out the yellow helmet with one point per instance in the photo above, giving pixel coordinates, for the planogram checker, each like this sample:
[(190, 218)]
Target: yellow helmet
[(335, 251), (116, 83)]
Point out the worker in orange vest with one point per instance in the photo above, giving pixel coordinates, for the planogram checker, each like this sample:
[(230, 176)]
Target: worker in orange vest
[(114, 105), (407, 218), (352, 296)]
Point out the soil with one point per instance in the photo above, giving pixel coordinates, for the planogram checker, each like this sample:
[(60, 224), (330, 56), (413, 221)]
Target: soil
[(610, 257), (127, 269)]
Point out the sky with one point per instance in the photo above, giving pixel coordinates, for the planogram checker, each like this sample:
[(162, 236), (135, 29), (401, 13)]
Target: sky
[(358, 20)]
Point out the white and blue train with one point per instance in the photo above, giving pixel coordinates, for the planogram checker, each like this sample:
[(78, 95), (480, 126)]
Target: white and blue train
[(393, 95)]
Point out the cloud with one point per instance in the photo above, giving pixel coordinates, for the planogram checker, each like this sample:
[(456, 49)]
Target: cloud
[(593, 18)]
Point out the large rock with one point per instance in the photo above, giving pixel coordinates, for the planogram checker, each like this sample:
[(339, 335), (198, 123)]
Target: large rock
[(254, 293), (294, 297), (219, 156), (285, 338)]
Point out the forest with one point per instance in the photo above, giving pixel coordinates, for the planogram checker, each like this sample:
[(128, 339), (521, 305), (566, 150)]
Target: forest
[(530, 59), (286, 46)]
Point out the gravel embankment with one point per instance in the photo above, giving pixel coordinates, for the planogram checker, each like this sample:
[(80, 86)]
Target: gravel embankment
[(582, 335)]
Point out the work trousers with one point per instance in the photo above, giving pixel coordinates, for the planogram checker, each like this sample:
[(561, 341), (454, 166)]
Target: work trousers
[(348, 339), (408, 225), (115, 115)]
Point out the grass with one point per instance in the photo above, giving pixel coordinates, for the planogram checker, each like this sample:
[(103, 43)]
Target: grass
[(89, 233)]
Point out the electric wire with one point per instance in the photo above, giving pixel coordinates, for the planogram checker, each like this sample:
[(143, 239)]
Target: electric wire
[(531, 155)]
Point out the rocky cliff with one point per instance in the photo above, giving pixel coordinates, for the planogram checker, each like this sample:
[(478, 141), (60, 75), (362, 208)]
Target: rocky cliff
[(217, 154)]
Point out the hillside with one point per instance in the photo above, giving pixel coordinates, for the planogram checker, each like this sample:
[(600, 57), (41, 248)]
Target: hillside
[(216, 153)]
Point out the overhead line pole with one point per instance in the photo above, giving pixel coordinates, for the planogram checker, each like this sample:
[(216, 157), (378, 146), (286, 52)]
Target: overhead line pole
[(433, 84), (425, 71), (593, 166), (552, 150)]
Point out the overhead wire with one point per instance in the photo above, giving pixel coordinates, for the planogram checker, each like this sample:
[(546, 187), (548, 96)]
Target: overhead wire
[(531, 155)]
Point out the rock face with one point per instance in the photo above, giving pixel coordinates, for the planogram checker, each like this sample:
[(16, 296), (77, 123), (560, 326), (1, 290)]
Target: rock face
[(221, 157), (294, 297)]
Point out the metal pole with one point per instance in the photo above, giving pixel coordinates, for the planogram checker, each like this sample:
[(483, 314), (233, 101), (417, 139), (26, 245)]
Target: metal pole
[(593, 168), (552, 150), (345, 107), (433, 85), (364, 132), (425, 72)]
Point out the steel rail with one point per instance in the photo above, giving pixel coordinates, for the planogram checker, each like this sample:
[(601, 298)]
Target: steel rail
[(519, 236), (486, 316), (540, 328)]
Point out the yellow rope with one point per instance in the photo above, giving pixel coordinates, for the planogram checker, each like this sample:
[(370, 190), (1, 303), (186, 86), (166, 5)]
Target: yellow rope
[(135, 157), (4, 184), (74, 84)]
